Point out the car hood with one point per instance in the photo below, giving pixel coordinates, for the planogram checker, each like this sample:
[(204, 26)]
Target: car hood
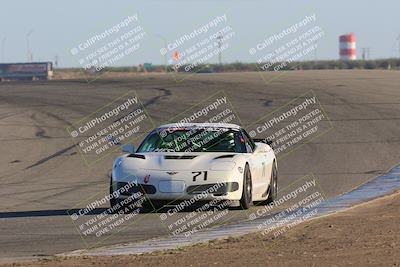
[(174, 161)]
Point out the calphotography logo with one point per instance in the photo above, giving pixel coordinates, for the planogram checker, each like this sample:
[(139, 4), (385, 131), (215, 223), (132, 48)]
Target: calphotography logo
[(96, 224), (292, 125), (284, 50), (299, 202), (107, 129), (111, 46)]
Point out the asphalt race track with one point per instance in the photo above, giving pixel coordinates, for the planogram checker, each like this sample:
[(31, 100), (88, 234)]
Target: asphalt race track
[(42, 173)]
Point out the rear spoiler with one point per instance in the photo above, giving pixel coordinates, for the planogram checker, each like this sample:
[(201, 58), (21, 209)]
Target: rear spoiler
[(263, 140)]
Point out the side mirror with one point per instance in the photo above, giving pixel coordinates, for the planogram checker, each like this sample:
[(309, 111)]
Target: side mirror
[(262, 148), (269, 142), (265, 141), (128, 148)]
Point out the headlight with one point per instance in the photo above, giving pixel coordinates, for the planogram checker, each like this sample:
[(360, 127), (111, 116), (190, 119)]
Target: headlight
[(118, 162)]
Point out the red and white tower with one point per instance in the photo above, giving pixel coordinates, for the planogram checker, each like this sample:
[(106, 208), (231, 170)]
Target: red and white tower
[(347, 46)]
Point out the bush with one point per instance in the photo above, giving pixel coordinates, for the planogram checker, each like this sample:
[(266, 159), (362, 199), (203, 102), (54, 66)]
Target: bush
[(240, 66)]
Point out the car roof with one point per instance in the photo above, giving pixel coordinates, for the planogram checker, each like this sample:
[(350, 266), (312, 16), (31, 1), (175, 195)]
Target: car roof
[(201, 125)]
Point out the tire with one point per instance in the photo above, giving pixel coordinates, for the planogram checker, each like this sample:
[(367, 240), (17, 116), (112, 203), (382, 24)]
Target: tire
[(273, 187), (153, 205), (114, 201), (247, 190)]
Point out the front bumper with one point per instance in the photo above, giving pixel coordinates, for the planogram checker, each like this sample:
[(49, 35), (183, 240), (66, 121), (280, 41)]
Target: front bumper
[(181, 185)]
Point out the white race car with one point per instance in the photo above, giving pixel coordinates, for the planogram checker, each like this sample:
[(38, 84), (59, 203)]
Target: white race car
[(183, 161)]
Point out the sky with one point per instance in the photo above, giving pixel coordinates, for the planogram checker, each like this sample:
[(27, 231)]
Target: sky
[(53, 28)]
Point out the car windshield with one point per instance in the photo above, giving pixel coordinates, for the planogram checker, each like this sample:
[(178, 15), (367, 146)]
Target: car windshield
[(193, 140)]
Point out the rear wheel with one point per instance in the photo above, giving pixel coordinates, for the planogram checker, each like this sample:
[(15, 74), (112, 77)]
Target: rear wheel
[(246, 199)]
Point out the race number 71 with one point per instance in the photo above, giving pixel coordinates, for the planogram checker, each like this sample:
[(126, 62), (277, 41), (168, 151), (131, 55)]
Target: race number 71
[(196, 174)]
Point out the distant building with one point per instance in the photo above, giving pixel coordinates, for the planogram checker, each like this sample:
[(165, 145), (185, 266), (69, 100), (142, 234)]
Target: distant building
[(26, 71)]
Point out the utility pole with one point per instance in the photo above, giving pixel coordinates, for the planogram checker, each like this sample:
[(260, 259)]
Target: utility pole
[(165, 55), (219, 38), (219, 48), (3, 46), (398, 39), (365, 53), (28, 49), (315, 51)]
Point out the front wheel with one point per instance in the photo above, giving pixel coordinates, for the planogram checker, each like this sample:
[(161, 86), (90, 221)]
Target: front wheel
[(115, 203), (246, 199), (273, 187)]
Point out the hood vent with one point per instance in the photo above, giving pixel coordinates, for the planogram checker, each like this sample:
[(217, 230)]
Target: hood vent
[(225, 156), (179, 157), (136, 156)]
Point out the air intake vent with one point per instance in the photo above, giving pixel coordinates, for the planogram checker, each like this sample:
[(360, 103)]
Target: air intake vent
[(136, 156), (179, 157), (225, 156)]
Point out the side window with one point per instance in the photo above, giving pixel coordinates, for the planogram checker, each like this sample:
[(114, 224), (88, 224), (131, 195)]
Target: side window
[(240, 143), (250, 146)]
